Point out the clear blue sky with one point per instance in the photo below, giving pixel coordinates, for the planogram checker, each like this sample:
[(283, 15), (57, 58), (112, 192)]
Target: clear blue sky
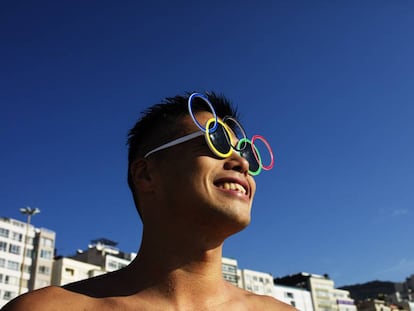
[(329, 83)]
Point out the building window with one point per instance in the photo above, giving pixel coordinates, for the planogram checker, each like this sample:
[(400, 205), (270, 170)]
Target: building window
[(230, 278), (45, 254), (17, 236), (44, 270), (8, 295), (229, 268), (13, 265), (4, 232), (29, 253), (27, 268), (14, 249), (70, 271), (113, 265), (11, 280), (288, 295), (3, 246), (46, 242), (2, 262)]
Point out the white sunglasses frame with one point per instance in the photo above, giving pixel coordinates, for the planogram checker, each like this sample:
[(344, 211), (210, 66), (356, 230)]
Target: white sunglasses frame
[(175, 142)]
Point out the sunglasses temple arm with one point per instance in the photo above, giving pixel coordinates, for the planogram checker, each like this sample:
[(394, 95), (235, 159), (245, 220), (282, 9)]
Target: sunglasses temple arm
[(175, 142)]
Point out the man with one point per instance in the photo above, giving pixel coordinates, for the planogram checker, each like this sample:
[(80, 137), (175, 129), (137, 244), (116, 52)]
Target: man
[(192, 188)]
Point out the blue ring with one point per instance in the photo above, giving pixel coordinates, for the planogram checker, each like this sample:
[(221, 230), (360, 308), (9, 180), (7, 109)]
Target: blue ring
[(204, 97)]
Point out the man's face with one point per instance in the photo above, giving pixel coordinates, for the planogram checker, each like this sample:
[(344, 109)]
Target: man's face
[(200, 188)]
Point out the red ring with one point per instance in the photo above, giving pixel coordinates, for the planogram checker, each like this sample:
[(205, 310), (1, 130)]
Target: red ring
[(272, 162)]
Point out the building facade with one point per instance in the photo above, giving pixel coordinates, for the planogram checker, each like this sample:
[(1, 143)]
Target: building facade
[(297, 297), (105, 254), (343, 300), (68, 270), (325, 297), (26, 258), (230, 271), (260, 283), (373, 305)]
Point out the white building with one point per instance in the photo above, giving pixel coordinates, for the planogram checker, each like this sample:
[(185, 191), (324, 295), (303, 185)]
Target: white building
[(20, 274), (230, 271), (343, 300), (105, 254), (67, 270), (260, 283), (325, 297), (297, 297), (102, 256)]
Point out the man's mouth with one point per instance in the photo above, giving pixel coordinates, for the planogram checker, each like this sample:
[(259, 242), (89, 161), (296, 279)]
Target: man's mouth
[(232, 186)]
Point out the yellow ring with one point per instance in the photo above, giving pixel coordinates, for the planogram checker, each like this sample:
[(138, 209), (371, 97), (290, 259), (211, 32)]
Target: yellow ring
[(210, 144)]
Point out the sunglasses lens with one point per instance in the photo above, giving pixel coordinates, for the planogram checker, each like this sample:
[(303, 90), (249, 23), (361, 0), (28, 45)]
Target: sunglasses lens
[(218, 139), (237, 131), (247, 153), (266, 153)]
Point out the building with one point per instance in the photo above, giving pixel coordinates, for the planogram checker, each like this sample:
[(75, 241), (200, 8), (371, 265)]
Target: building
[(406, 289), (230, 271), (324, 296), (343, 300), (257, 282), (105, 254), (67, 270), (102, 256), (373, 305), (299, 298), (26, 258)]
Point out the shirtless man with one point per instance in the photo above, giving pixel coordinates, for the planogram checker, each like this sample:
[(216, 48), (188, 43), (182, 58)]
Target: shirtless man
[(192, 192)]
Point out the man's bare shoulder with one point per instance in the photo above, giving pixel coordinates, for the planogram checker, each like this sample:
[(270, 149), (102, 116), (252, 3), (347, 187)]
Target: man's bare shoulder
[(49, 298), (263, 302)]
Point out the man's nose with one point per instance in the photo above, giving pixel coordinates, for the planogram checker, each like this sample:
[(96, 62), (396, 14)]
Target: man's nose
[(237, 163)]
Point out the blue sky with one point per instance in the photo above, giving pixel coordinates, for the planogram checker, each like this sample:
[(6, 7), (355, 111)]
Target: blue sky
[(329, 83)]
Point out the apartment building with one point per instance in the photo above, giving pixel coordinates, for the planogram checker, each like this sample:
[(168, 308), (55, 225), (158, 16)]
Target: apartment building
[(105, 254), (26, 258), (101, 256), (260, 283), (230, 271), (343, 300), (299, 298), (325, 297), (373, 305), (68, 270)]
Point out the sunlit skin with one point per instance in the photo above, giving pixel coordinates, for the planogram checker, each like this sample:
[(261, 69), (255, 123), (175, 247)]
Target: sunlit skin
[(195, 185), (191, 201)]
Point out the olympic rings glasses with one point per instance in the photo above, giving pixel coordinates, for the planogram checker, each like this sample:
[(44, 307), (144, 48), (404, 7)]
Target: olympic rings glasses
[(218, 135)]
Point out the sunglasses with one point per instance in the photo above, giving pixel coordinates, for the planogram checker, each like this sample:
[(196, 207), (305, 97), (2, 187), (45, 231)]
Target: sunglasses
[(218, 135)]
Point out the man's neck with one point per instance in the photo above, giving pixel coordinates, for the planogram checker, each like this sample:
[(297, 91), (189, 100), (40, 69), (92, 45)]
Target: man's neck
[(182, 273)]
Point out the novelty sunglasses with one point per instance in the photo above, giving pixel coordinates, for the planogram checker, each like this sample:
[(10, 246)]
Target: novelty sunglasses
[(218, 135)]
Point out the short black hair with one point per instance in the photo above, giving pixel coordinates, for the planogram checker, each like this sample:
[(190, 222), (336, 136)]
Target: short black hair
[(158, 125)]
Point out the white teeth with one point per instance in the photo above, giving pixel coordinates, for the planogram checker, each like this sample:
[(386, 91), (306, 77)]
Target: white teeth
[(233, 186)]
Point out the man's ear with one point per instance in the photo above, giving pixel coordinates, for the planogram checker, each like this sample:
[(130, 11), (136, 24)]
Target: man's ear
[(141, 175)]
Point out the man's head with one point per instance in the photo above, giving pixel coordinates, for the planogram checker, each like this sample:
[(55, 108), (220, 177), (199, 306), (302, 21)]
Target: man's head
[(161, 123)]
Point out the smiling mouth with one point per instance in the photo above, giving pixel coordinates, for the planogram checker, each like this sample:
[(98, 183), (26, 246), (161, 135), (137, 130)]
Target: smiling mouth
[(233, 187)]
